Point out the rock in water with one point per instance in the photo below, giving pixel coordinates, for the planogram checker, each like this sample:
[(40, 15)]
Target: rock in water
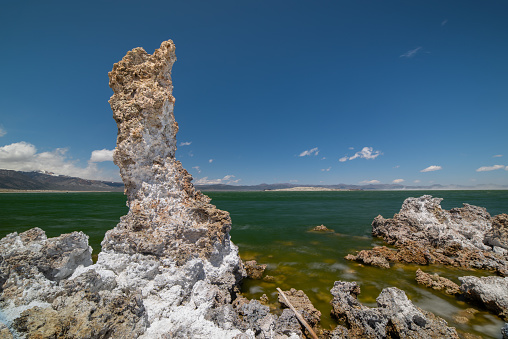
[(436, 282), (168, 269), (424, 234), (395, 317), (490, 292)]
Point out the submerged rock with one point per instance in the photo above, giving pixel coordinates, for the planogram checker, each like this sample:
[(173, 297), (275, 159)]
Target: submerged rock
[(322, 228), (489, 292), (395, 317), (436, 282), (254, 270)]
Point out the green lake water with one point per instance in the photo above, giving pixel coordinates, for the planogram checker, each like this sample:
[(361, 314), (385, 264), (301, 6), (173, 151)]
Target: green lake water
[(273, 228)]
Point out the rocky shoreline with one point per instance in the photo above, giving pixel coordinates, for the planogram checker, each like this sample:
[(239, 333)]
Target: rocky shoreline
[(170, 270)]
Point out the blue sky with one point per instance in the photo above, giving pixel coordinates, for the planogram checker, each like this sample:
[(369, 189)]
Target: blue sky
[(308, 92)]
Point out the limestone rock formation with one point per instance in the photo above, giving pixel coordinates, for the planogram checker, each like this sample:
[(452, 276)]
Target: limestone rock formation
[(424, 234), (167, 270), (436, 282), (395, 317), (490, 292)]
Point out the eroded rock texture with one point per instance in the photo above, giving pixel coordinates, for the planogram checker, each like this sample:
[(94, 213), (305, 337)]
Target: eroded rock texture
[(395, 317), (489, 292), (163, 269), (424, 233)]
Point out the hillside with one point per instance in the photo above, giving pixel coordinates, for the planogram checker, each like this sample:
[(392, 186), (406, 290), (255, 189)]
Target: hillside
[(14, 180)]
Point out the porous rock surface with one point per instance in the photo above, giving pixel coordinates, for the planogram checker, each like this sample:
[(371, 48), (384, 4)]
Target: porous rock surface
[(424, 233), (167, 270), (395, 317), (490, 292)]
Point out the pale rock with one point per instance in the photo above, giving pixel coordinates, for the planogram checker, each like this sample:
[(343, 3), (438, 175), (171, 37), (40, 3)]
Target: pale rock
[(395, 317), (490, 292), (424, 233)]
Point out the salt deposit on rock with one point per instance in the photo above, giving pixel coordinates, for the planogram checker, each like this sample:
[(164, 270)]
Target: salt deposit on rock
[(490, 292), (424, 234), (167, 270), (395, 316)]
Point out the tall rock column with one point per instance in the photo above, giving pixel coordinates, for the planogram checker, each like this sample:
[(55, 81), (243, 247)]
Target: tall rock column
[(173, 244), (167, 217)]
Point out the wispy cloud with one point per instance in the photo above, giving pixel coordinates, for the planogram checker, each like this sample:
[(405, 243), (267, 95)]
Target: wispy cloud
[(2, 131), (365, 153), (491, 168), (417, 181), (186, 143), (210, 161), (432, 169), (23, 156), (101, 155), (197, 169), (411, 53), (497, 156), (444, 22), (398, 181), (366, 182), (227, 180), (326, 169), (314, 151)]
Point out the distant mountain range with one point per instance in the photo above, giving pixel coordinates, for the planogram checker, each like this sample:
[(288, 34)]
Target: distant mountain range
[(15, 180)]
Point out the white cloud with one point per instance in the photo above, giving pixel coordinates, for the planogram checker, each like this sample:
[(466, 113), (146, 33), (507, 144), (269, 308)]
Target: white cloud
[(398, 181), (398, 166), (210, 161), (314, 151), (411, 53), (2, 131), (23, 156), (227, 180), (102, 155), (326, 169), (365, 153), (351, 148), (197, 169), (187, 143), (432, 168), (417, 181), (490, 168), (497, 156), (370, 182)]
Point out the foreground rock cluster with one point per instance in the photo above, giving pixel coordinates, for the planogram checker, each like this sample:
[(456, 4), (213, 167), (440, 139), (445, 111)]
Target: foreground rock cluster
[(468, 237), (170, 270)]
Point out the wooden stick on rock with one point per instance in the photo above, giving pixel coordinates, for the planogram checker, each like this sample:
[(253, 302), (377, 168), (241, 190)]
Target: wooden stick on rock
[(298, 315)]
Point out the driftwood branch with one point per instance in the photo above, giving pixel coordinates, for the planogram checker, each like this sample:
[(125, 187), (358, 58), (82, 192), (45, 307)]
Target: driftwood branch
[(298, 315)]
